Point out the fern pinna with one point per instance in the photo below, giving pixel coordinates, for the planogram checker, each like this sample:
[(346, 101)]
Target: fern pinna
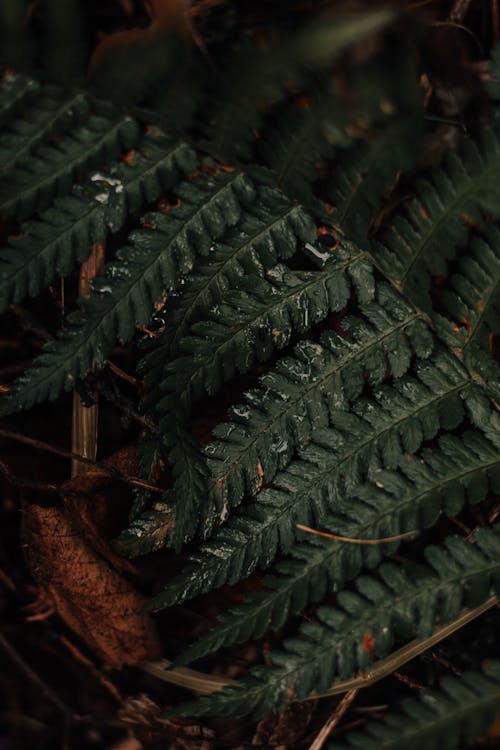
[(252, 249)]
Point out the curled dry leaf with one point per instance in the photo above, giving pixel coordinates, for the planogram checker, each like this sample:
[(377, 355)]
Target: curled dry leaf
[(83, 577)]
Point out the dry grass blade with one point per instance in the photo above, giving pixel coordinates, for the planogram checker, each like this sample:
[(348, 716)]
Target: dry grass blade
[(350, 540)]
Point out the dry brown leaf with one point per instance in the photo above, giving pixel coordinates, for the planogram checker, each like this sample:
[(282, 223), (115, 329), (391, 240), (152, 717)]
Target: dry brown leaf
[(166, 16), (74, 565)]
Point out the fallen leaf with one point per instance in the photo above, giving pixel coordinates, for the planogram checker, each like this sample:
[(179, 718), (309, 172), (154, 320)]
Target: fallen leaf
[(73, 563)]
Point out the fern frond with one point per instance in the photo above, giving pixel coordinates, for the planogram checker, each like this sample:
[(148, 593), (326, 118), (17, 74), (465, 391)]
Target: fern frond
[(301, 141), (365, 172), (422, 240), (462, 710), (398, 604), (461, 470), (15, 89), (50, 246), (265, 233), (375, 433), (147, 532), (296, 399), (473, 302), (253, 77), (152, 265), (251, 323), (52, 113), (257, 318), (268, 231), (51, 168), (323, 124), (245, 328)]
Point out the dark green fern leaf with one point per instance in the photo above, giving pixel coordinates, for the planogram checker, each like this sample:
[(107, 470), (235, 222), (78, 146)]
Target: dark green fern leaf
[(51, 169), (147, 532), (391, 504), (253, 78), (246, 328), (53, 112), (398, 604), (256, 319), (365, 172), (15, 90), (302, 140), (50, 246), (267, 232), (427, 235), (384, 432), (299, 396), (461, 711), (139, 278), (473, 302)]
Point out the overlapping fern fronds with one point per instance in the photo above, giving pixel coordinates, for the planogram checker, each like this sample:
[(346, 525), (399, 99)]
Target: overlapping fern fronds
[(396, 604), (372, 409)]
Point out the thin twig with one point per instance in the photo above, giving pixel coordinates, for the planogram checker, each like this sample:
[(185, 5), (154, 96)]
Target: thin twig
[(350, 540), (85, 417), (123, 405), (334, 719), (408, 681), (40, 445), (122, 374)]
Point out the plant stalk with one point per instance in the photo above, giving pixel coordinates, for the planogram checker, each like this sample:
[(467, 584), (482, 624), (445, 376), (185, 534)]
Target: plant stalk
[(84, 421)]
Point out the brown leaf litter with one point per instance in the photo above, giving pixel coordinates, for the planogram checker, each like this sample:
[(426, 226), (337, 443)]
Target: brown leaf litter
[(70, 559)]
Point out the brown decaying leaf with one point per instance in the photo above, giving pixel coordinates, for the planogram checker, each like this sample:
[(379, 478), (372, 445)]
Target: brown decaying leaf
[(83, 577), (167, 16)]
